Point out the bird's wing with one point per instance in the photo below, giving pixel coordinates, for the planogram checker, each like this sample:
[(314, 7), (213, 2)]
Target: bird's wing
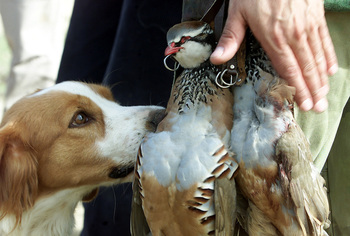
[(138, 222), (302, 182), (225, 206)]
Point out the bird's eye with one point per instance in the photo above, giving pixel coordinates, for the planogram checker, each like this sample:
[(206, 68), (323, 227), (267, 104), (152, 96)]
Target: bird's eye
[(79, 119), (184, 39)]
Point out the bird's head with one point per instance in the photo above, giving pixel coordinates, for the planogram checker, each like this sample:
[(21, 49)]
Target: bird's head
[(190, 43)]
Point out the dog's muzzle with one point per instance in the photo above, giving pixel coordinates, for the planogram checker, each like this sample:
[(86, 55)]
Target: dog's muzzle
[(154, 118), (122, 172)]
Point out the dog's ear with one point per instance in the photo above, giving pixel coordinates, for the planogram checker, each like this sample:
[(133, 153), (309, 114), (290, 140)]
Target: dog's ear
[(18, 174)]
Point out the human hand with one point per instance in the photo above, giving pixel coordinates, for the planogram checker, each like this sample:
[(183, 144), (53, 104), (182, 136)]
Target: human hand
[(295, 36)]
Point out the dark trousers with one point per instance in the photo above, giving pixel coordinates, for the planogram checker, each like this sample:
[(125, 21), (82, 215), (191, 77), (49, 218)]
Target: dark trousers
[(120, 44)]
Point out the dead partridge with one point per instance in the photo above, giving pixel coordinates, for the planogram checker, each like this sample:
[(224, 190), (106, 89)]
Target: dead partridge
[(179, 166), (284, 191)]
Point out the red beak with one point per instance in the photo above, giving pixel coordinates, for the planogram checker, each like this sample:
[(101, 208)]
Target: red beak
[(171, 49)]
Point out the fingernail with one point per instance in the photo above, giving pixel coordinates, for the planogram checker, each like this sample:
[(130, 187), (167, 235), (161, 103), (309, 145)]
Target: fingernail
[(218, 52), (333, 69), (306, 105), (321, 105)]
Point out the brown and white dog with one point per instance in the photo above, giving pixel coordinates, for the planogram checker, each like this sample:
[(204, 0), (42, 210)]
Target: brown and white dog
[(57, 146)]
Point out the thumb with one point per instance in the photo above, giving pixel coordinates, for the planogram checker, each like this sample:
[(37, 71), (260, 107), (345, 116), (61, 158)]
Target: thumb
[(230, 40)]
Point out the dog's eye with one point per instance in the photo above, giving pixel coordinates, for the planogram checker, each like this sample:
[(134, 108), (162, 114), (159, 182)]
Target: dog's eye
[(79, 119)]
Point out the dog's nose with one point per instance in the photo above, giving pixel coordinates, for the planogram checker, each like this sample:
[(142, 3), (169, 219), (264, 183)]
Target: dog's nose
[(154, 118)]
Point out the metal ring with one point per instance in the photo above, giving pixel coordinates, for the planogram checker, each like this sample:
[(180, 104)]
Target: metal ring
[(231, 83), (177, 65), (223, 83), (218, 84)]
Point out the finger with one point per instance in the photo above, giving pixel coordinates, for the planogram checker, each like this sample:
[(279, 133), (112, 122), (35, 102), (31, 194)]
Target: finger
[(316, 46), (317, 50), (287, 66), (320, 59), (309, 69), (331, 57), (230, 40)]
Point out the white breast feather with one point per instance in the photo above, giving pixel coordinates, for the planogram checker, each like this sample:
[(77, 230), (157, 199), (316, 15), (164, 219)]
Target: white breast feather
[(193, 54), (257, 130), (183, 155)]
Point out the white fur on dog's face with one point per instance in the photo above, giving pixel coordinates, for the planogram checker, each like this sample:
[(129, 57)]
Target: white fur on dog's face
[(65, 137), (123, 127)]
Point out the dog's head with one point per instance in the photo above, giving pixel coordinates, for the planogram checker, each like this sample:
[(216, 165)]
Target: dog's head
[(67, 136)]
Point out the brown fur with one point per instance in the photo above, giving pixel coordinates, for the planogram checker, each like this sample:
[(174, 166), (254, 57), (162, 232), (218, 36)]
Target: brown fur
[(40, 154), (18, 174)]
